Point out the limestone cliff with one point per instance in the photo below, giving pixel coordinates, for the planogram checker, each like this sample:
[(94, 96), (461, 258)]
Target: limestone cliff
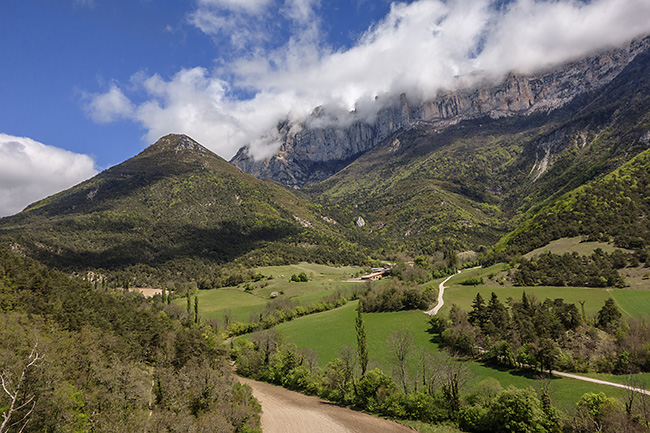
[(326, 142)]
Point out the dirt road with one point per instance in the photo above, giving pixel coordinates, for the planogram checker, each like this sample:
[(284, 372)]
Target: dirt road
[(601, 382), (441, 301), (286, 411)]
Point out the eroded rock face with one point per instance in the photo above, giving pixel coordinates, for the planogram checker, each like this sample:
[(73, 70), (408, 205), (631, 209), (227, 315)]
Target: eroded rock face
[(327, 142)]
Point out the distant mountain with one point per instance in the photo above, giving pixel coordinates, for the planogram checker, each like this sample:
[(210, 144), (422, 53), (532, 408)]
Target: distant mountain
[(467, 185), (180, 208), (457, 173), (329, 140)]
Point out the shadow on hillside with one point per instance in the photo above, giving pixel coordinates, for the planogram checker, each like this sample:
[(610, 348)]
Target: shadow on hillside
[(162, 245), (527, 373)]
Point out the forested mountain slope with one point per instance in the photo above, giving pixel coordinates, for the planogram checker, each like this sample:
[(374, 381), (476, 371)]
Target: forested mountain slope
[(467, 185), (615, 207), (178, 209)]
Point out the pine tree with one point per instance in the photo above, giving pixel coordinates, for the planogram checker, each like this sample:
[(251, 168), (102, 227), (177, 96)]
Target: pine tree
[(609, 315), (478, 316), (196, 309)]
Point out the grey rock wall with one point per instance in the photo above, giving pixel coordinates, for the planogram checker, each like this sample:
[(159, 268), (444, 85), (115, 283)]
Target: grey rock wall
[(326, 142)]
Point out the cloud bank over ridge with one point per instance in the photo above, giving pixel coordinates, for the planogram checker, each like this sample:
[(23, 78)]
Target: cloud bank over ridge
[(280, 66), (30, 170)]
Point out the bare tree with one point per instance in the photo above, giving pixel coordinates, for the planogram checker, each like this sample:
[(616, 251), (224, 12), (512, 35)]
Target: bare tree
[(349, 357), (267, 342), (401, 343), (311, 358), (21, 403), (227, 316), (455, 376), (631, 393), (428, 370)]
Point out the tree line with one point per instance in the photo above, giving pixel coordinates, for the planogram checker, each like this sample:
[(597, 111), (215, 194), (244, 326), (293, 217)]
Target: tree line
[(546, 335)]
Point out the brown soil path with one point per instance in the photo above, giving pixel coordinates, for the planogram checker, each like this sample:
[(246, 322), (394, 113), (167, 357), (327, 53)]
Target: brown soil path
[(287, 411)]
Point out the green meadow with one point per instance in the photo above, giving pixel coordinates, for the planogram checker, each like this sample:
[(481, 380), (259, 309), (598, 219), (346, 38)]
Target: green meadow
[(326, 333), (241, 303), (322, 279), (573, 245), (463, 296), (632, 302), (213, 304)]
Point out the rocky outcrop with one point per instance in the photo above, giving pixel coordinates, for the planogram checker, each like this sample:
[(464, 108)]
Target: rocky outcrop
[(327, 141)]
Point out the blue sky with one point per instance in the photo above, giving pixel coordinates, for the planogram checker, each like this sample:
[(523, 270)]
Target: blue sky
[(53, 52), (86, 84)]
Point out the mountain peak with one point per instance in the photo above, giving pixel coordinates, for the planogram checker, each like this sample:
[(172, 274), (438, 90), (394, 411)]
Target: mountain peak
[(178, 143)]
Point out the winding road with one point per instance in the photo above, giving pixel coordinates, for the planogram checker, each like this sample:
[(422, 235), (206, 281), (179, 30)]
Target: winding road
[(441, 301), (285, 411)]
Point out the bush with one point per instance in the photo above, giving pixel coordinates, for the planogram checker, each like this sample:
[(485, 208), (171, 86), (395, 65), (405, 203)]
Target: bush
[(472, 281), (396, 298), (300, 278)]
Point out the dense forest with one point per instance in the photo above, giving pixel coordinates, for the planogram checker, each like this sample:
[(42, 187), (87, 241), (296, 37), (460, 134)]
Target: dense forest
[(77, 359), (549, 334)]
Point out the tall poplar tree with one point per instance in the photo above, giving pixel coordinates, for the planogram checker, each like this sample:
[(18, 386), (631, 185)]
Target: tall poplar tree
[(362, 346)]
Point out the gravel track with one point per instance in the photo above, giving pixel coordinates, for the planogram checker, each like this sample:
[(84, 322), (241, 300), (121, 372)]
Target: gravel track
[(285, 411)]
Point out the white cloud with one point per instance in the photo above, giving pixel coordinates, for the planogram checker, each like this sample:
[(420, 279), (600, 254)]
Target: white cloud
[(88, 3), (418, 48), (534, 35), (247, 6), (30, 171), (243, 22), (110, 106)]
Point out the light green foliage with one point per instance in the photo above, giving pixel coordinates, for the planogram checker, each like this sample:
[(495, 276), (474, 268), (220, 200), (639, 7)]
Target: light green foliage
[(596, 404), (79, 360), (517, 411)]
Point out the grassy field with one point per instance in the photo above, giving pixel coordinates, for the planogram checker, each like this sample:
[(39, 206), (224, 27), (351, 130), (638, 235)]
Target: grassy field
[(321, 278), (464, 295), (323, 281), (632, 302), (214, 303), (327, 332), (571, 245)]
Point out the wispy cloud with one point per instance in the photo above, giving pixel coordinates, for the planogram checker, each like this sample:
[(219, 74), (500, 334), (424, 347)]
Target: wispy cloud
[(248, 6), (30, 171), (88, 3), (419, 48), (108, 107)]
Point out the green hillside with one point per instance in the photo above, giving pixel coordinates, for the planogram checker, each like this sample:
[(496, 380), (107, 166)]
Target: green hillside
[(615, 207), (178, 210), (77, 359), (468, 185)]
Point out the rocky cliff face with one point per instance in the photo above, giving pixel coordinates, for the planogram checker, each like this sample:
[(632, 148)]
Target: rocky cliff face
[(327, 142)]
